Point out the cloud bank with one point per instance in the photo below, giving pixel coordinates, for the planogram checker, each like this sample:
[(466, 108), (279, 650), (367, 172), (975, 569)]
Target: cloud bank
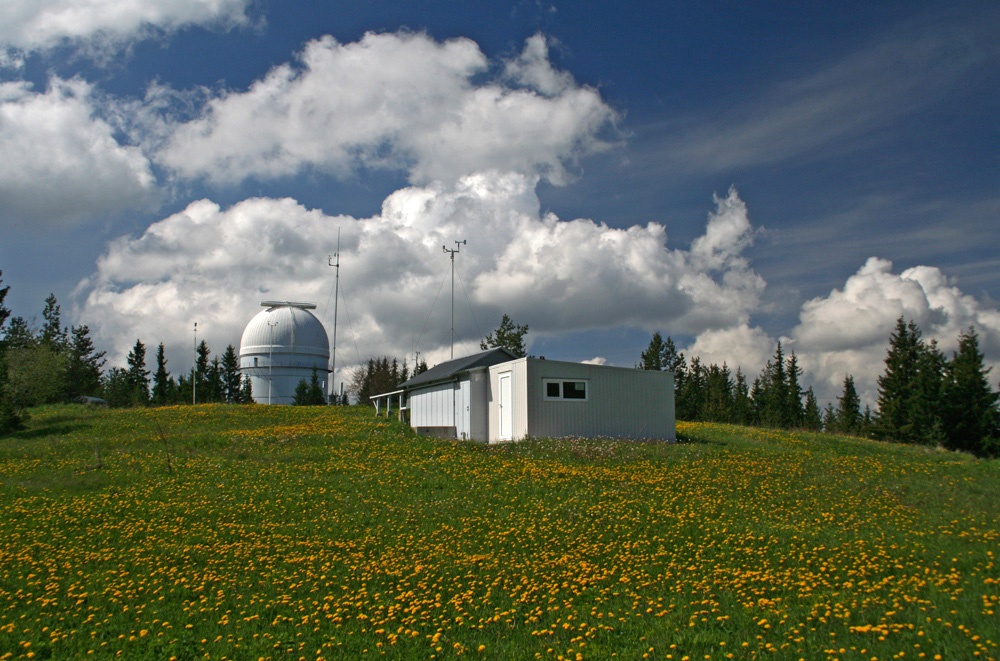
[(59, 161), (30, 25), (395, 101), (214, 265)]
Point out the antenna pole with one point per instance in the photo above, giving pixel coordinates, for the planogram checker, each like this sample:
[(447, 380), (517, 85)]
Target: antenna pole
[(336, 297), (458, 247), (194, 372)]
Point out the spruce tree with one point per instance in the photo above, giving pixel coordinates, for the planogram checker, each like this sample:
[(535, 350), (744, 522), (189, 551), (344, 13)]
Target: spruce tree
[(137, 375), (214, 380), (231, 377), (9, 419), (811, 417), (971, 417), (53, 335), (897, 384), (201, 365), (793, 414), (847, 419), (652, 357), (742, 406), (161, 378), (83, 364)]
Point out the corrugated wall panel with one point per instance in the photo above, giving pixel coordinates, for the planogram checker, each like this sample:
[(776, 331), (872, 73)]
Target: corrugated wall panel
[(433, 406), (621, 402)]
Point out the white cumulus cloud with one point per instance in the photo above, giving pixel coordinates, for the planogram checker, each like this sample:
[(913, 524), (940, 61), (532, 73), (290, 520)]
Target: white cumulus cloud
[(847, 331), (60, 161), (214, 265), (29, 25), (398, 101)]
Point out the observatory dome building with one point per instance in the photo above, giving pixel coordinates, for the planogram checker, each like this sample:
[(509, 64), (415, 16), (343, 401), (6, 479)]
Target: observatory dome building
[(281, 346)]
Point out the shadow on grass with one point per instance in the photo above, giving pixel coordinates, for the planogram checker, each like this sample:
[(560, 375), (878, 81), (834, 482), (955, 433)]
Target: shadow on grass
[(695, 440), (53, 428)]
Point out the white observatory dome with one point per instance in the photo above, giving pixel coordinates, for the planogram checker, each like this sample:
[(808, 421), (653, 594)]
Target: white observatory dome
[(280, 346)]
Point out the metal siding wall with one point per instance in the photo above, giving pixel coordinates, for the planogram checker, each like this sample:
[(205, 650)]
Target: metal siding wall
[(621, 402), (432, 406)]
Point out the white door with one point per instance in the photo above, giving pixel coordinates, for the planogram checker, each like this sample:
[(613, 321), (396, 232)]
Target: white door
[(506, 409)]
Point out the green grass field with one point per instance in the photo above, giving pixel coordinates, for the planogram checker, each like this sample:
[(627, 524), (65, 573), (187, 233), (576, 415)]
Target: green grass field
[(306, 533)]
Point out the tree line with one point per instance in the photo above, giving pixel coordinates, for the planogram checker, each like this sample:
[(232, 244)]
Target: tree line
[(55, 363), (923, 396)]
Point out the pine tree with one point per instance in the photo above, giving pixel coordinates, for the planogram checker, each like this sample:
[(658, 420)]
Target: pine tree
[(896, 385), (231, 377), (718, 397), (925, 409), (53, 335), (971, 417), (691, 399), (246, 392), (793, 414), (811, 417), (118, 388), (773, 392), (742, 406), (847, 418), (200, 384), (829, 419), (161, 378), (214, 381), (83, 364), (509, 336), (652, 357), (309, 393), (137, 375), (9, 418)]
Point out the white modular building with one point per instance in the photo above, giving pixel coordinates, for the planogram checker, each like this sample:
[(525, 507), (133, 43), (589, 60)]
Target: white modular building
[(494, 397), (280, 347)]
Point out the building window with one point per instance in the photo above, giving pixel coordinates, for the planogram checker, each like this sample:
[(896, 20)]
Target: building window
[(564, 389)]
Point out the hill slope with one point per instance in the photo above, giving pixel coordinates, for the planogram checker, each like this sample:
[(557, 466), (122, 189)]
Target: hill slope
[(283, 532)]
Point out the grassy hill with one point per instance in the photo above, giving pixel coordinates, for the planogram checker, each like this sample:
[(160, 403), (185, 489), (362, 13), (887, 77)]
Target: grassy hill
[(301, 533)]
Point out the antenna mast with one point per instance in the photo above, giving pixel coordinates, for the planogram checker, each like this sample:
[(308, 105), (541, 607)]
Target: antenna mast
[(336, 297), (194, 373), (458, 247)]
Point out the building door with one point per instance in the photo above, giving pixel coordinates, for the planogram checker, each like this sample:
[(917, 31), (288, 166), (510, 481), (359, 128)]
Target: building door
[(506, 408)]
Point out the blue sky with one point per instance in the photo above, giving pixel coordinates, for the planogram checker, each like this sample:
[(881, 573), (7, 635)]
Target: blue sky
[(730, 174)]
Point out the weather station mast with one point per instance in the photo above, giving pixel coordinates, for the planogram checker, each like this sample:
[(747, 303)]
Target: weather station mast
[(452, 252), (331, 389)]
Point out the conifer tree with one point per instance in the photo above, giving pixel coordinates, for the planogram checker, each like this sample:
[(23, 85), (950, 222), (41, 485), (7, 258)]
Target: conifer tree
[(742, 406), (897, 384), (811, 417), (652, 357), (971, 417), (137, 375), (9, 419), (201, 365), (509, 336), (793, 414), (83, 364), (161, 378), (246, 392), (214, 381), (53, 335), (231, 376), (847, 418)]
